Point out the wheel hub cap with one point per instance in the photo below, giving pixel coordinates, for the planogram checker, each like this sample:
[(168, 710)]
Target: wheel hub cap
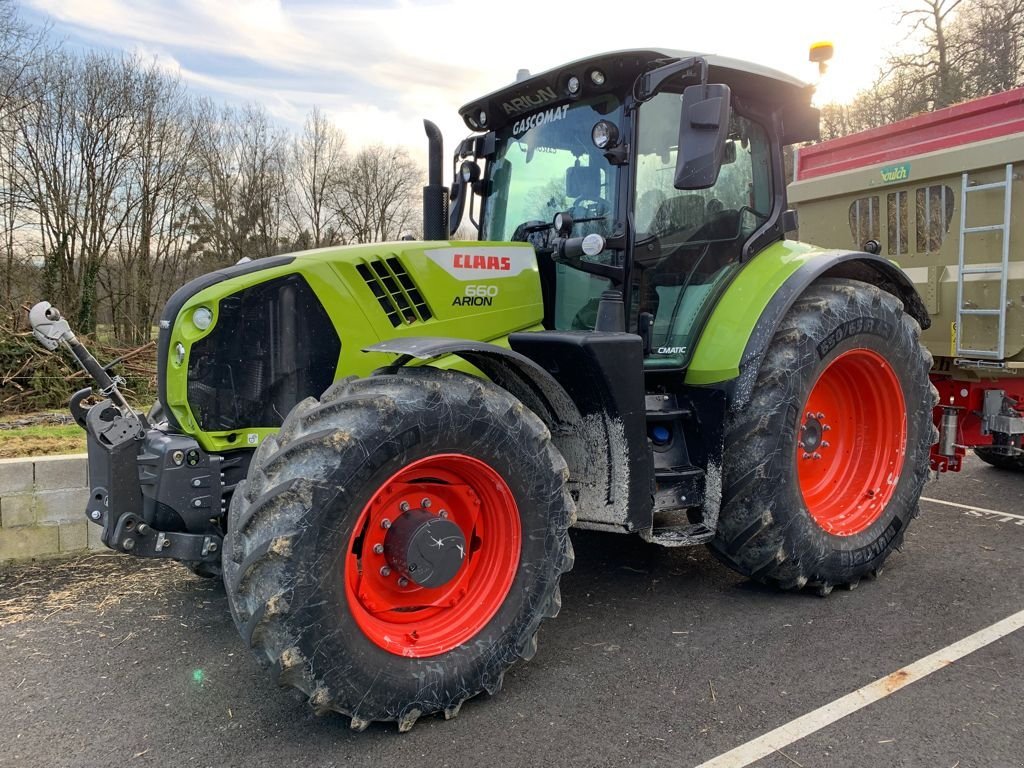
[(424, 548)]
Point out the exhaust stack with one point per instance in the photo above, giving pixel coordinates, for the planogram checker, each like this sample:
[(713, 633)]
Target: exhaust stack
[(435, 194)]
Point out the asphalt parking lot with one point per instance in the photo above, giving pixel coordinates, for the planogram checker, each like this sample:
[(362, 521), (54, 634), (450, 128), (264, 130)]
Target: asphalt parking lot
[(659, 657)]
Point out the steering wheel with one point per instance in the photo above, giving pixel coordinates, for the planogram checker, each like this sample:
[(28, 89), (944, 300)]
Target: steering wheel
[(591, 208)]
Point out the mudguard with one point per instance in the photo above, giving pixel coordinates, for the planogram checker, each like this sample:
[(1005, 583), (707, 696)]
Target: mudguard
[(589, 389), (737, 334), (519, 375)]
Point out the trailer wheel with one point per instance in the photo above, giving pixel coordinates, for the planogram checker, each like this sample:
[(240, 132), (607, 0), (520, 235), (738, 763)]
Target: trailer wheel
[(1000, 459), (824, 467), (395, 548)]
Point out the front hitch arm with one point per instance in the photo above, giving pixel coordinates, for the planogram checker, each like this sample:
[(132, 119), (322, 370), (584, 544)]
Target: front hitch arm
[(110, 428), (125, 455)]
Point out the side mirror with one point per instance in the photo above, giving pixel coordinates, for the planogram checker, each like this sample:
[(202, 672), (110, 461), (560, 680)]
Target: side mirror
[(703, 129)]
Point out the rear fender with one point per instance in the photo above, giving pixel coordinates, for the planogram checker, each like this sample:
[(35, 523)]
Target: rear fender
[(736, 337)]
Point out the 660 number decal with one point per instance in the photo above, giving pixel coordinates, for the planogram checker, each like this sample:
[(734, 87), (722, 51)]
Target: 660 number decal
[(476, 296)]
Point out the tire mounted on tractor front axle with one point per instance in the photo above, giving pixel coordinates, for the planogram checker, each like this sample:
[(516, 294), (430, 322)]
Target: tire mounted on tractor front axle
[(396, 546), (824, 467)]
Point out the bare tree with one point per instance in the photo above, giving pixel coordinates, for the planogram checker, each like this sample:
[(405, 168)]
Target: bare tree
[(240, 208), (21, 49), (378, 195), (75, 133), (990, 35), (316, 166), (937, 67), (161, 190), (961, 49), (116, 185)]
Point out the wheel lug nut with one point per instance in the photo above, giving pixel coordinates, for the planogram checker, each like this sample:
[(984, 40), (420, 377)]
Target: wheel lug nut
[(810, 415), (425, 503), (443, 513), (825, 427), (403, 582), (378, 549), (807, 455), (817, 455), (404, 506), (385, 571), (385, 523), (821, 415), (824, 443)]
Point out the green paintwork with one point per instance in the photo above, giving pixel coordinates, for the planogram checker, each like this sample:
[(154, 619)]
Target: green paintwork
[(358, 318), (721, 344)]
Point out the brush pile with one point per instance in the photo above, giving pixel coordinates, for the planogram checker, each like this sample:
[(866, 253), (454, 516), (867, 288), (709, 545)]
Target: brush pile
[(32, 379)]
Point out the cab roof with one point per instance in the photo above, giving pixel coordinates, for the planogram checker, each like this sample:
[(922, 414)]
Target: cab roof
[(620, 69)]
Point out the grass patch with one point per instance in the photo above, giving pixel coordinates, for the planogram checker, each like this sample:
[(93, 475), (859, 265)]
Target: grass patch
[(41, 441), (19, 439)]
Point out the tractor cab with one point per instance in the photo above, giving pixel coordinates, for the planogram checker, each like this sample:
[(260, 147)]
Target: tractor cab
[(654, 174)]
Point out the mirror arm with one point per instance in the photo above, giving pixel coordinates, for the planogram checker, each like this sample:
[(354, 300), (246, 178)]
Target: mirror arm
[(566, 251), (651, 82)]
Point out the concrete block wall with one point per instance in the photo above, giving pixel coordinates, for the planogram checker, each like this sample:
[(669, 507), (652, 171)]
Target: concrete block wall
[(42, 507)]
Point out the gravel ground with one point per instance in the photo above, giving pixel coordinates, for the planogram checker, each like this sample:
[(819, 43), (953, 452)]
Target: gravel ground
[(659, 657)]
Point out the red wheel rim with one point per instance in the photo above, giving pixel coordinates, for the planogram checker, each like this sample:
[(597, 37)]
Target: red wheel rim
[(416, 621), (852, 444)]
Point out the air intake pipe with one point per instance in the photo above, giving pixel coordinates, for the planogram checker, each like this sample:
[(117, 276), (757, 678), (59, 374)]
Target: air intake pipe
[(435, 194)]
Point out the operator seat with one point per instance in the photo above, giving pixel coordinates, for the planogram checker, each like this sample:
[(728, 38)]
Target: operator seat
[(678, 214)]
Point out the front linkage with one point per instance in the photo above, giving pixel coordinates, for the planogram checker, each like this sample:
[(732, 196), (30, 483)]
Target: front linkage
[(155, 494)]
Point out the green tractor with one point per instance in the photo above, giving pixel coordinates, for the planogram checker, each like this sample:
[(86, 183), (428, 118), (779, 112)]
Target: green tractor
[(381, 448)]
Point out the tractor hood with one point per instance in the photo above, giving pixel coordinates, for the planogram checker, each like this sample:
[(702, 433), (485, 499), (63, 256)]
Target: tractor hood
[(620, 70), (238, 348)]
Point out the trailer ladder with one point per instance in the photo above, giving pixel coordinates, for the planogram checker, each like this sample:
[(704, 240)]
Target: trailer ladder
[(967, 187)]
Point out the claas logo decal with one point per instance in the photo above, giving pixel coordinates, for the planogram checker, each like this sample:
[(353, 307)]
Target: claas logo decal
[(487, 262), (481, 261)]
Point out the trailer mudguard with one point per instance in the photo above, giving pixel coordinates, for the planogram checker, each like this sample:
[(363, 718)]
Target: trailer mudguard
[(737, 334)]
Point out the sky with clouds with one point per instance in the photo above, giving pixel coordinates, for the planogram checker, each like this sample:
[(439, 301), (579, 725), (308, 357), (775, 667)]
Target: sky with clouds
[(379, 68)]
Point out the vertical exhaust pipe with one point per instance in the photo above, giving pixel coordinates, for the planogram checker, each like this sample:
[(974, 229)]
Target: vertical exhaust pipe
[(435, 194)]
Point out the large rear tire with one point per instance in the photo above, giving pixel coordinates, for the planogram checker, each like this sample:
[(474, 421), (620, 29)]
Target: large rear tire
[(325, 535), (999, 460), (823, 469)]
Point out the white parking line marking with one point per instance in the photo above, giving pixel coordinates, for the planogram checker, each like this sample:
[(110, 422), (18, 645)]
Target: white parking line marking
[(805, 725), (970, 508)]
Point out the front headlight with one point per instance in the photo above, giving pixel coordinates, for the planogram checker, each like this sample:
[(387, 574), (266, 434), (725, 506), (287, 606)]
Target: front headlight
[(202, 318)]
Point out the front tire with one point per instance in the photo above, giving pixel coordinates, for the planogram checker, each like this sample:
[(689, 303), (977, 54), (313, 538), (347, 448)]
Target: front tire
[(356, 489), (823, 469)]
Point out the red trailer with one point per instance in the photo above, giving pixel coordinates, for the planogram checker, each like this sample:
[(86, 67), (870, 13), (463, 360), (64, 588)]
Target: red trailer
[(935, 193)]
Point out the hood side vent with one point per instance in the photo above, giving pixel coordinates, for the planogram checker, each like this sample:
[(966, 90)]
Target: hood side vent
[(395, 291)]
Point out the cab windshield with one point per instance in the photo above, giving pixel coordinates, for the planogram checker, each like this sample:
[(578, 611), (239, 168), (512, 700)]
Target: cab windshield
[(546, 163)]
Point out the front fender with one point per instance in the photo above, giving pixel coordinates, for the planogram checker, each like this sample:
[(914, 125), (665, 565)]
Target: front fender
[(745, 319), (519, 375)]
